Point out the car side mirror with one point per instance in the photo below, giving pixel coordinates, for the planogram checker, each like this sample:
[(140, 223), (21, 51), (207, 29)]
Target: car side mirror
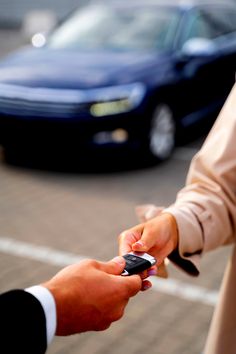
[(198, 47)]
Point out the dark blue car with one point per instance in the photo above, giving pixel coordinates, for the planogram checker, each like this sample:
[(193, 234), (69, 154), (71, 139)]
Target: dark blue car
[(127, 76)]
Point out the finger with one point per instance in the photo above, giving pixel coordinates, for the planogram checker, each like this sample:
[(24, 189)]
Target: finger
[(143, 275), (114, 266), (149, 272), (152, 271), (162, 271), (128, 238), (146, 285), (146, 242), (163, 253), (133, 284)]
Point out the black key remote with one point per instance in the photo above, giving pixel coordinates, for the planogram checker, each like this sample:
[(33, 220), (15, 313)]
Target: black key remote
[(137, 262)]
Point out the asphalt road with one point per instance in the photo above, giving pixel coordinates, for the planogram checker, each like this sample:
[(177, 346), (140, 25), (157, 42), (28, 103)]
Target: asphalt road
[(49, 219)]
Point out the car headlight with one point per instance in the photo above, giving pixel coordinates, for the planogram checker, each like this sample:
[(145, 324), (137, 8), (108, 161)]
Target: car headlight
[(112, 107), (30, 101), (118, 99)]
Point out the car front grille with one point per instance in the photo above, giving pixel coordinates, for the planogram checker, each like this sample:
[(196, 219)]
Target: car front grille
[(25, 108)]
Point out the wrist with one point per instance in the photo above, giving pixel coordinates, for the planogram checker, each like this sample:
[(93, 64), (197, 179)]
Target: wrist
[(57, 298), (173, 227), (48, 304), (68, 302)]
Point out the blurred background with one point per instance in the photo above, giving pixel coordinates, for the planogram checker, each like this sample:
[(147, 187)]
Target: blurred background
[(50, 217), (13, 12)]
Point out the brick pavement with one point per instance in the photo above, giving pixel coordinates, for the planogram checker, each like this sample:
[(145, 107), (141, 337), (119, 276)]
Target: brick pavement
[(83, 214), (67, 212)]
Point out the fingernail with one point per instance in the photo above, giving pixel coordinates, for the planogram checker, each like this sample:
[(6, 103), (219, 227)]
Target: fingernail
[(119, 260), (139, 243), (152, 272), (147, 286)]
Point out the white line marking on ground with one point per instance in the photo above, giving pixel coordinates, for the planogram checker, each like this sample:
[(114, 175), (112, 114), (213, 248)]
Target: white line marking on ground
[(38, 253), (185, 291), (60, 258)]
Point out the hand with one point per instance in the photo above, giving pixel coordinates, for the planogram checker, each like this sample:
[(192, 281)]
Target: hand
[(158, 236), (91, 295)]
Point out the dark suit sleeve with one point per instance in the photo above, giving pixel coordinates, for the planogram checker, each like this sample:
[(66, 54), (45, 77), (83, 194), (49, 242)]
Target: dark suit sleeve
[(22, 323)]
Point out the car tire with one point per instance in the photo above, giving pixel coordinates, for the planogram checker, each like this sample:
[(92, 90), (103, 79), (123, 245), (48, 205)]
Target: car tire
[(162, 132)]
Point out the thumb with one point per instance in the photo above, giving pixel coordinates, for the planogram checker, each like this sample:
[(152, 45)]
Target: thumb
[(115, 266), (146, 242)]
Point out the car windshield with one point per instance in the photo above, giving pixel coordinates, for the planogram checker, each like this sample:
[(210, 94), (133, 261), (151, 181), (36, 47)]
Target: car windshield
[(131, 28)]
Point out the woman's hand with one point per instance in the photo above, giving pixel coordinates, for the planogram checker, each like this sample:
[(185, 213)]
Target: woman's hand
[(158, 236)]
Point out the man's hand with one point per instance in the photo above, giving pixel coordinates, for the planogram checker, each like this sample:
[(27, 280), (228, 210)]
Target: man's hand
[(158, 237), (91, 295)]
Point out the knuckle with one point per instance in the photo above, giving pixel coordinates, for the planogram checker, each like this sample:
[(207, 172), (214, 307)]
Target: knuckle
[(120, 314), (103, 326), (90, 263), (136, 285)]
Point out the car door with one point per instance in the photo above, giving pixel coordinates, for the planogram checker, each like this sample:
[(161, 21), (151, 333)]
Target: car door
[(225, 41), (207, 76)]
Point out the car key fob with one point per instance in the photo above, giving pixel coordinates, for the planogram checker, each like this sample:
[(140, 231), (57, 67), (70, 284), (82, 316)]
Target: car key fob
[(137, 262)]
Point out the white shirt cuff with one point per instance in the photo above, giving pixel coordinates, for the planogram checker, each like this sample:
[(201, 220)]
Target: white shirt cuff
[(47, 301)]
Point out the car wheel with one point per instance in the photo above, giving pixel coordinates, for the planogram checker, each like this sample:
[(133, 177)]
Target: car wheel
[(162, 132)]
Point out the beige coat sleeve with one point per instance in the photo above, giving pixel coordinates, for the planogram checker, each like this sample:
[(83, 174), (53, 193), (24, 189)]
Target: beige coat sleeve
[(205, 209)]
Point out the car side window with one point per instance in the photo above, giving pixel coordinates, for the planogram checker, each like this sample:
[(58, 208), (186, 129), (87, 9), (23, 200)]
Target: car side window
[(231, 19), (221, 21), (209, 23), (198, 27)]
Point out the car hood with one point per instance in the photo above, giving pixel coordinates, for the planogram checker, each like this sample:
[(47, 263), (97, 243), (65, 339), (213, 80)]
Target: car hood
[(76, 70)]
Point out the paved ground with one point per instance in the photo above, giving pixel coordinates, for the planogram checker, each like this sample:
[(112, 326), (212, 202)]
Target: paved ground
[(82, 214)]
